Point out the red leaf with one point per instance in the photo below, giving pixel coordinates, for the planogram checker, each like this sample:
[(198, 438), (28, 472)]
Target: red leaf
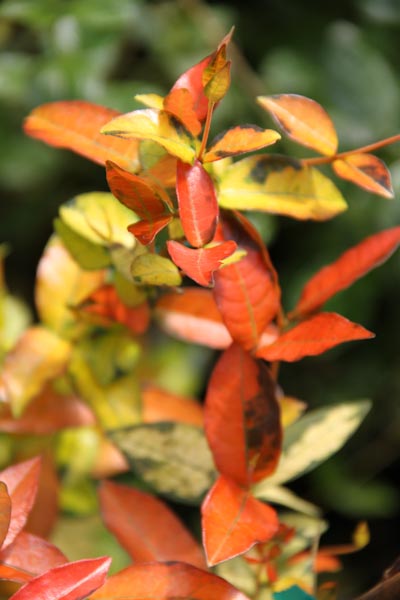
[(246, 292), (30, 555), (197, 200), (242, 418), (44, 513), (22, 483), (193, 316), (160, 405), (313, 336), (76, 124), (146, 527), (367, 171), (171, 581), (71, 581), (349, 267), (233, 521), (5, 512), (180, 104), (200, 263), (146, 231)]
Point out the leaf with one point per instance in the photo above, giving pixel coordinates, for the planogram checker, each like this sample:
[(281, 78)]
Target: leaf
[(166, 581), (292, 593), (180, 104), (22, 483), (315, 437), (173, 458), (313, 336), (71, 581), (284, 497), (242, 418), (239, 140), (367, 171), (153, 269), (193, 316), (88, 255), (233, 521), (146, 231), (246, 292), (38, 357), (29, 555), (76, 124), (197, 201), (146, 527), (158, 126), (216, 88), (303, 120), (350, 266), (5, 512), (160, 405), (279, 185), (200, 263)]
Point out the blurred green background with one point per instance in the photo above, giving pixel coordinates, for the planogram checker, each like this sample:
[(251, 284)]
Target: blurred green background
[(344, 54)]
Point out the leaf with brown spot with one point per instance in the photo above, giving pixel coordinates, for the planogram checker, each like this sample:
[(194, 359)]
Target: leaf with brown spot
[(239, 140), (200, 264), (179, 103), (303, 120), (367, 171)]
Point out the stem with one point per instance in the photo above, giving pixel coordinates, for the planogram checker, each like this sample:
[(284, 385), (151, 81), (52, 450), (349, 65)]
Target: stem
[(206, 130), (322, 160)]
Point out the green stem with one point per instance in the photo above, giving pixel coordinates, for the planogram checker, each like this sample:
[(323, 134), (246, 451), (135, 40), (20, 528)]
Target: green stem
[(206, 132), (322, 160)]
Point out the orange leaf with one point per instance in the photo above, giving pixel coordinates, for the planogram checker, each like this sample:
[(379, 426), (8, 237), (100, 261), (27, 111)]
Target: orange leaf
[(192, 315), (146, 231), (160, 405), (197, 200), (239, 140), (242, 418), (76, 125), (313, 336), (5, 512), (350, 266), (200, 263), (180, 104), (70, 581), (233, 521), (30, 555), (246, 292), (146, 527), (8, 573), (166, 581), (303, 120), (22, 483), (367, 171), (45, 510)]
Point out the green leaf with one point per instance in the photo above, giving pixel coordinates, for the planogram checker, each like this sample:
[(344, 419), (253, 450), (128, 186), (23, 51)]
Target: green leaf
[(87, 254), (292, 593), (283, 496), (152, 269), (173, 458), (316, 436), (279, 185)]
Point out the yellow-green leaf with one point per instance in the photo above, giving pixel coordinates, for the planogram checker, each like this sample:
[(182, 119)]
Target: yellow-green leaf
[(155, 125), (86, 253), (173, 458), (279, 185), (150, 100), (152, 269), (217, 87)]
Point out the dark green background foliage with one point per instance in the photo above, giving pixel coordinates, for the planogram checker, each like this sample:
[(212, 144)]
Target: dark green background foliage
[(344, 54)]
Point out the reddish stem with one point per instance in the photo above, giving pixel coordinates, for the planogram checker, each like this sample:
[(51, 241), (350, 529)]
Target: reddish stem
[(206, 131), (321, 160)]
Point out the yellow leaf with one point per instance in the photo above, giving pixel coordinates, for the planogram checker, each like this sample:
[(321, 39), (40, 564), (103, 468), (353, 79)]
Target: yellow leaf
[(152, 269), (151, 124), (239, 140), (361, 535), (291, 409), (150, 100), (281, 186)]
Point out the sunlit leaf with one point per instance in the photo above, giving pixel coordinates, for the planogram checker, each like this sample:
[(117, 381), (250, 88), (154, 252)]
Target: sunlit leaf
[(5, 512), (87, 254), (313, 336), (146, 231), (246, 292), (367, 171), (180, 104), (315, 437), (153, 269), (158, 126), (279, 185), (39, 356), (193, 316), (217, 87), (160, 405), (61, 284), (200, 264), (76, 124), (173, 458), (239, 140), (150, 100), (166, 581), (291, 409), (21, 480), (146, 527), (303, 120), (71, 581), (350, 266), (242, 417), (233, 521), (197, 201), (30, 554)]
